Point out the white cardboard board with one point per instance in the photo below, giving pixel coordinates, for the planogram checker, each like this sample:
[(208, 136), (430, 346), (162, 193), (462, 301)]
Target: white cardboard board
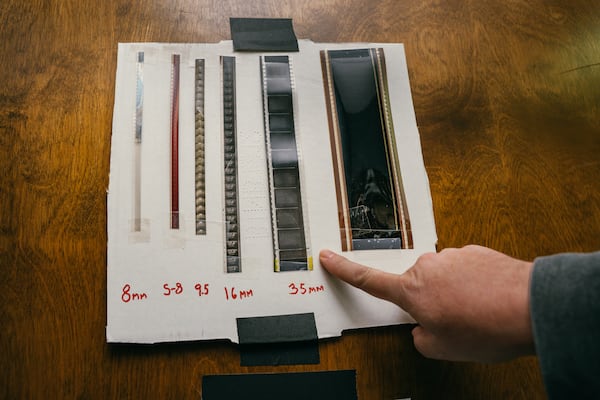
[(141, 264)]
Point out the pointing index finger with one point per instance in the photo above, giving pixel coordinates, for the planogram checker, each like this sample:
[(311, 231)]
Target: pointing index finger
[(378, 283)]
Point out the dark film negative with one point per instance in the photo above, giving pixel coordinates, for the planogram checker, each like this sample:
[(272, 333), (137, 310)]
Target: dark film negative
[(371, 201), (232, 237), (200, 179), (290, 249)]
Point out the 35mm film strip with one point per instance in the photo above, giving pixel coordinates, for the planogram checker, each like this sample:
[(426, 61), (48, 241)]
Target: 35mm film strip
[(290, 248), (371, 201)]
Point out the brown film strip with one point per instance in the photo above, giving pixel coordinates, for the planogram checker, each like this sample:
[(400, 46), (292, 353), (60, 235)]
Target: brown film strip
[(200, 167)]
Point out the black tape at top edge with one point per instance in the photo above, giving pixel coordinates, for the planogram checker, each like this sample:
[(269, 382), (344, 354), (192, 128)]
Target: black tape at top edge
[(263, 34)]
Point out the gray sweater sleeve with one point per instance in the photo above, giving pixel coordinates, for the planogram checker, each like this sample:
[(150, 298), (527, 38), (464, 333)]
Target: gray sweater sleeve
[(565, 313)]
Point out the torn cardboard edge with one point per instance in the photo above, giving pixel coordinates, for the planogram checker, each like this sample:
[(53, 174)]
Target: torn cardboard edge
[(263, 34), (325, 385)]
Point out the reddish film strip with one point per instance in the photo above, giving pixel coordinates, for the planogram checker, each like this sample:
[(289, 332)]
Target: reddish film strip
[(175, 64)]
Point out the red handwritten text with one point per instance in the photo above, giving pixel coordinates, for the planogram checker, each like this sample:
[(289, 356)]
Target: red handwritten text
[(128, 295), (177, 289), (202, 289), (301, 289), (236, 294)]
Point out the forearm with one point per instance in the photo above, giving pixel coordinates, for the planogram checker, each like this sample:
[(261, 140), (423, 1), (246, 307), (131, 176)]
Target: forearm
[(565, 312)]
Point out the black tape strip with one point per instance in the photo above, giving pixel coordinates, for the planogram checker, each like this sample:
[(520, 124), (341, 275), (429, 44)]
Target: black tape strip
[(263, 34), (293, 353), (278, 340), (328, 385), (277, 329)]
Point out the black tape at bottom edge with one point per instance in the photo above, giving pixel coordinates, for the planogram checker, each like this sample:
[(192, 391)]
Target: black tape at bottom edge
[(328, 385), (278, 340)]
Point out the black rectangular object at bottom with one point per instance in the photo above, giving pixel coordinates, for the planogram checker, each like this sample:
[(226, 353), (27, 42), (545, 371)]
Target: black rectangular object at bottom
[(328, 385)]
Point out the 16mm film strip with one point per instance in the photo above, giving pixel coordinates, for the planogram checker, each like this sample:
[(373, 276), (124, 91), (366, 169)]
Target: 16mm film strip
[(288, 219)]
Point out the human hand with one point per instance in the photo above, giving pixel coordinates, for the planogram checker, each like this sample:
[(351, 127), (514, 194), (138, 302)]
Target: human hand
[(471, 304)]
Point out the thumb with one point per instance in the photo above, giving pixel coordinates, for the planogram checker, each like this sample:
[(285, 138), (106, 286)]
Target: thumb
[(424, 341), (378, 283)]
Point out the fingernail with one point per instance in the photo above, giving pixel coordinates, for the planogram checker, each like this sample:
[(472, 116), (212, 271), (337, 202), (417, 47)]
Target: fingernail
[(324, 254)]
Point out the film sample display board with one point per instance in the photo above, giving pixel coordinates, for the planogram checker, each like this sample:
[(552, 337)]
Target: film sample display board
[(230, 171)]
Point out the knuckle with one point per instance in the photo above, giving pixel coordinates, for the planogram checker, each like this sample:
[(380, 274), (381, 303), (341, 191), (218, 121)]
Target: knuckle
[(448, 250), (362, 276), (425, 258)]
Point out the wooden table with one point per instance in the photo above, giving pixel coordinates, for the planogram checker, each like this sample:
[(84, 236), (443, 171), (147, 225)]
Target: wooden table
[(507, 97)]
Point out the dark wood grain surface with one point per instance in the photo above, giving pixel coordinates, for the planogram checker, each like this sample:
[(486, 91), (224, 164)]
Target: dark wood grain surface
[(507, 98)]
